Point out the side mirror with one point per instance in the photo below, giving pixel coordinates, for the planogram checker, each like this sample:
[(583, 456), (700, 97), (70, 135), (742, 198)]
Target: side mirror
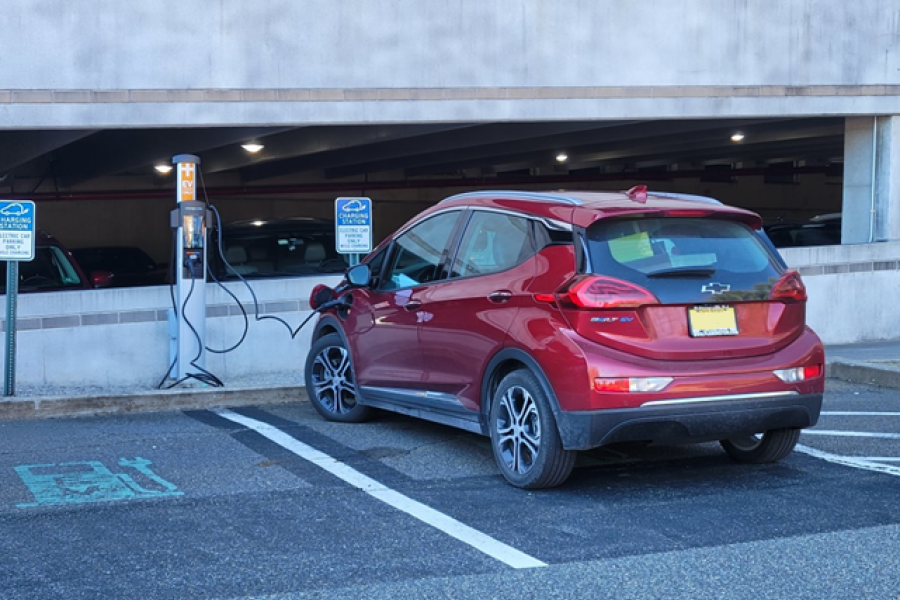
[(359, 275), (101, 279)]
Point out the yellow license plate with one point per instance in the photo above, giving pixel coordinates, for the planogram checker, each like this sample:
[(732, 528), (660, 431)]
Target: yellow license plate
[(706, 321)]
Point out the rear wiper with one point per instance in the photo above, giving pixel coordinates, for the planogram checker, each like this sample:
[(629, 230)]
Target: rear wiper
[(683, 272)]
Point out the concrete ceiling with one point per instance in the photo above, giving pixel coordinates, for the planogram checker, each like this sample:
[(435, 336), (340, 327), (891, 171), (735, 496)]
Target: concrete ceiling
[(79, 162)]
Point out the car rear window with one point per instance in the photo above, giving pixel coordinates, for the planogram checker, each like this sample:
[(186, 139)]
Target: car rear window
[(684, 259)]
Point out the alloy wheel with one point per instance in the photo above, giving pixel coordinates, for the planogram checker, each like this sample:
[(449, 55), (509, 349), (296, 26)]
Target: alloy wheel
[(518, 430), (332, 380)]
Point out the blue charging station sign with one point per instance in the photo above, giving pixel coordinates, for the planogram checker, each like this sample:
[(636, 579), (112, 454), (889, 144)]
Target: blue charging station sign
[(353, 225), (17, 230)]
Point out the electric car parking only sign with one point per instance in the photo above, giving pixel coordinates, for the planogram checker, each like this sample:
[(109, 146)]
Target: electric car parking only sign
[(17, 230), (353, 224)]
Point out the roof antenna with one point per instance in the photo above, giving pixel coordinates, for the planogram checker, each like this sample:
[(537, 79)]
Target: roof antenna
[(638, 194)]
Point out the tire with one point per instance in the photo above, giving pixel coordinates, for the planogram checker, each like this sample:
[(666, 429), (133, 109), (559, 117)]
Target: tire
[(524, 437), (771, 446), (330, 382)]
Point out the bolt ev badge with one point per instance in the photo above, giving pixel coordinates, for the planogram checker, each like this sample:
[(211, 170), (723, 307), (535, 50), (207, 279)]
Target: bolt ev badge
[(716, 288)]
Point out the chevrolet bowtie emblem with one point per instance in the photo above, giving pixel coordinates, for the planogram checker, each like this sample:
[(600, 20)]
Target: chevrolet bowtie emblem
[(716, 288)]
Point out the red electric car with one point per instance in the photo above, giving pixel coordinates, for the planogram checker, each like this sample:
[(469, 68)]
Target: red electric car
[(557, 322)]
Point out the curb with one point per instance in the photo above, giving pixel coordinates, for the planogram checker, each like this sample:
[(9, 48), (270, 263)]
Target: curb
[(142, 402), (868, 373)]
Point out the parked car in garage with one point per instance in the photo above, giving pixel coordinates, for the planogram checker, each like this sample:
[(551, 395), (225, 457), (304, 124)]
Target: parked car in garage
[(282, 247), (130, 265), (558, 322), (53, 269), (821, 230)]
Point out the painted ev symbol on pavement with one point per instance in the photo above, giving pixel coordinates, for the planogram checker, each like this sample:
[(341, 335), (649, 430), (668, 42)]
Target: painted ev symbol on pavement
[(90, 481)]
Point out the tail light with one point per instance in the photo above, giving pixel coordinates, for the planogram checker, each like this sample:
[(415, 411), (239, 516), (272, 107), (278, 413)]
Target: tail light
[(631, 384), (799, 373), (789, 288), (594, 291)]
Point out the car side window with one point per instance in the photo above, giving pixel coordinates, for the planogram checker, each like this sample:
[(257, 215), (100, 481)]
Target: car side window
[(492, 242), (416, 258)]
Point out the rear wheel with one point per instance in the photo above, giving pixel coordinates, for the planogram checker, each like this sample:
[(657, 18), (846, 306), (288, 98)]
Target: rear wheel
[(524, 437), (770, 446), (330, 382)]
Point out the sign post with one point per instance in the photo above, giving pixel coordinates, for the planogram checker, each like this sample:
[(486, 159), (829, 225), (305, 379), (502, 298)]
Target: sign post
[(353, 227), (16, 244)]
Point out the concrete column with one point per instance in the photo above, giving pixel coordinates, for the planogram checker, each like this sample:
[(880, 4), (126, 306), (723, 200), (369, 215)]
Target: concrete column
[(871, 206)]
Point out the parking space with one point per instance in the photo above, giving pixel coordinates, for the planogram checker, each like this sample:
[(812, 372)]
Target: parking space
[(266, 501), (859, 427)]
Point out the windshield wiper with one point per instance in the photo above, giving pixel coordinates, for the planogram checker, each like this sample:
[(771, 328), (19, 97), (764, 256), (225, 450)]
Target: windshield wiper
[(683, 272)]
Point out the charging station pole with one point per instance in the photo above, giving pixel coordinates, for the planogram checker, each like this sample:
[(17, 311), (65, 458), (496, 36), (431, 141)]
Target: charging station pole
[(190, 221)]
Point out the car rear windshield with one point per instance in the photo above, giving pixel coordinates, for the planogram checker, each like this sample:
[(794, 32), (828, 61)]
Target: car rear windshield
[(684, 260)]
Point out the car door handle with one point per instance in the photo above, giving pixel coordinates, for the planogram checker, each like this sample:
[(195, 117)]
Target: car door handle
[(500, 296), (412, 305)]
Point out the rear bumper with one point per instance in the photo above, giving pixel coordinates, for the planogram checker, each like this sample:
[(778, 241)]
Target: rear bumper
[(689, 420)]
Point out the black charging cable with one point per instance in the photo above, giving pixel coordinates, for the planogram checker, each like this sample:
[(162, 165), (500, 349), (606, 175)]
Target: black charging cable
[(205, 376)]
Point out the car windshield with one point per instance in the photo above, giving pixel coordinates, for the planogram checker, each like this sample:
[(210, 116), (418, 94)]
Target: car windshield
[(683, 260), (51, 269)]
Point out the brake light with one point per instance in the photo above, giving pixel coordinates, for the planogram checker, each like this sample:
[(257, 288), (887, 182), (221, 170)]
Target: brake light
[(789, 288), (687, 213), (811, 371), (596, 291)]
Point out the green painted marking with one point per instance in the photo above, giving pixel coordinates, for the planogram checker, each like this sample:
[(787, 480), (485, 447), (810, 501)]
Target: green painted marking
[(91, 481)]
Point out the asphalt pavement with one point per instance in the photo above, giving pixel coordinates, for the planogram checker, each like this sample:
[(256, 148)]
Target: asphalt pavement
[(276, 503)]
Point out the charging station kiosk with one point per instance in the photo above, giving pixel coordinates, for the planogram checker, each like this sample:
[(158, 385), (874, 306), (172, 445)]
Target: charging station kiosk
[(190, 222)]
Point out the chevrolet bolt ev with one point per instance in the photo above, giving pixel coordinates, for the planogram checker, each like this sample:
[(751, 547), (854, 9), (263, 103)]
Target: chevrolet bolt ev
[(558, 322)]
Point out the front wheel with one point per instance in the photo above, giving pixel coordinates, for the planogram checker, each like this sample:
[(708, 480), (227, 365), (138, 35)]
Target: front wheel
[(524, 437), (770, 446), (330, 382)]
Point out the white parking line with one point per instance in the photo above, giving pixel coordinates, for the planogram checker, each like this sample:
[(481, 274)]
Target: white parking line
[(478, 540), (849, 461), (863, 434)]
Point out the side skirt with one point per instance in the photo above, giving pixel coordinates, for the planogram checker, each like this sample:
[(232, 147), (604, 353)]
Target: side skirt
[(437, 407)]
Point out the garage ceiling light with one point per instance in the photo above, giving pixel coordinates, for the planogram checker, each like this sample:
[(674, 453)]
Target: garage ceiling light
[(252, 148), (737, 136), (562, 157), (163, 168)]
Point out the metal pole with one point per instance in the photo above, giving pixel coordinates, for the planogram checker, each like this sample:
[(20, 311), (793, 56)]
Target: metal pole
[(12, 292)]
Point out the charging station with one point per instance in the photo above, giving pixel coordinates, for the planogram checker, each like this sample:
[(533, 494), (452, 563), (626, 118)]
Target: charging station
[(190, 221)]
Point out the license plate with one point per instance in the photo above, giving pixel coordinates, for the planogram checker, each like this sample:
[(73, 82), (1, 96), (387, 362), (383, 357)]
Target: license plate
[(707, 321)]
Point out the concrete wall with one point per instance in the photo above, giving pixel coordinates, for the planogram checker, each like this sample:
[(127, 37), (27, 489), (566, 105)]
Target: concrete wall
[(852, 290), (234, 44), (106, 340), (224, 62)]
